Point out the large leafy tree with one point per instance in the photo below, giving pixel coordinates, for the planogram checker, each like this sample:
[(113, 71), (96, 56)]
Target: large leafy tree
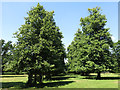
[(39, 46), (92, 49)]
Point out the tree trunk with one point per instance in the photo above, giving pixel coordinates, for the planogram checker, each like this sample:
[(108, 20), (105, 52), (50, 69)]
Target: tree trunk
[(98, 75), (86, 73), (35, 79), (40, 79), (30, 75), (3, 72), (48, 77), (17, 72)]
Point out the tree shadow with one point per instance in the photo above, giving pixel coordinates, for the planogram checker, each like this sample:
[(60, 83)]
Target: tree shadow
[(51, 83), (61, 78), (89, 75), (60, 74), (101, 78), (13, 84), (54, 84), (48, 84), (21, 85), (110, 78), (11, 76)]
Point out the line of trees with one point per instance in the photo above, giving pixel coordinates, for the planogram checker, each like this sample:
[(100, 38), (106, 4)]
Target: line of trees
[(39, 50)]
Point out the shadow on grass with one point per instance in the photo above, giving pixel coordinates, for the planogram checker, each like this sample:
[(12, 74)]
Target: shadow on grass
[(11, 76), (21, 85), (60, 78), (54, 84), (13, 84), (102, 78), (62, 74), (110, 78)]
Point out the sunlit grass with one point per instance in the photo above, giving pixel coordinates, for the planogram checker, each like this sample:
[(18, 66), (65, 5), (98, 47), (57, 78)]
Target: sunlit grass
[(14, 78), (110, 80)]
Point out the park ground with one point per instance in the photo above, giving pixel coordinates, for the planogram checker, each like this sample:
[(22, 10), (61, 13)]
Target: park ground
[(108, 80)]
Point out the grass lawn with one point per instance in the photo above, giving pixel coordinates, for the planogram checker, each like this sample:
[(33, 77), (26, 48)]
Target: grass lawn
[(108, 80)]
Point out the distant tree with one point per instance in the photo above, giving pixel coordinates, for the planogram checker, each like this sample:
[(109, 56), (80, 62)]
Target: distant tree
[(6, 53), (116, 56), (12, 64), (77, 53), (39, 46), (92, 50)]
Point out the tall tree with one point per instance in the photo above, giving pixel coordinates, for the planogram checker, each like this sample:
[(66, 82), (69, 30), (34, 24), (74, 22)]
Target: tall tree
[(94, 54), (39, 45)]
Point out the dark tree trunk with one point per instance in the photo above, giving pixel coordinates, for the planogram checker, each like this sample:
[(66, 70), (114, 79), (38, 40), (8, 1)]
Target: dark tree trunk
[(48, 77), (35, 79), (85, 74), (17, 72), (3, 72), (40, 79), (98, 75), (30, 80)]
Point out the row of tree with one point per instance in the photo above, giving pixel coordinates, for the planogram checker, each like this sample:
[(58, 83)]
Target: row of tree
[(39, 50)]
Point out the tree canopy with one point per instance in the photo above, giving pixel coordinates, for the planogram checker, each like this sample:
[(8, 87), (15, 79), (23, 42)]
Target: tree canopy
[(89, 51), (39, 45)]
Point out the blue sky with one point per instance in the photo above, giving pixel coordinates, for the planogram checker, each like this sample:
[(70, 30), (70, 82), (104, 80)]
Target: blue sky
[(67, 16)]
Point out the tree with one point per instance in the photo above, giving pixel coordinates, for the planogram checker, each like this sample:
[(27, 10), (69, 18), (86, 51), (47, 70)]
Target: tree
[(12, 64), (92, 51), (39, 46), (77, 53), (6, 53), (116, 56)]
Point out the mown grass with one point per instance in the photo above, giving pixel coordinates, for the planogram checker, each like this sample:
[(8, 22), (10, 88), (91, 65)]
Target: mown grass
[(108, 80)]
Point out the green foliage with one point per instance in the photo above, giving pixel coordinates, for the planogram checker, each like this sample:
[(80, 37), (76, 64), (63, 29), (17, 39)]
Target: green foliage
[(39, 45), (6, 54), (89, 51), (116, 56)]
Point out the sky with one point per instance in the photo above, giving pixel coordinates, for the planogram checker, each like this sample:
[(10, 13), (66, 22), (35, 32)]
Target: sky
[(67, 17)]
